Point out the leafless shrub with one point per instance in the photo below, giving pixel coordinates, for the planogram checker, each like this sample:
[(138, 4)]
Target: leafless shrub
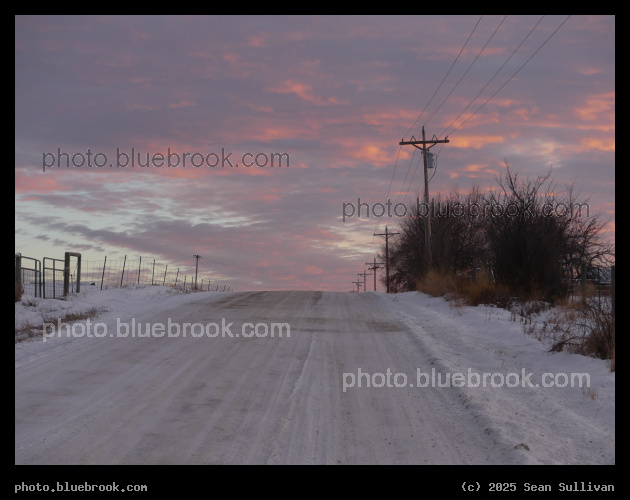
[(526, 244), (588, 330)]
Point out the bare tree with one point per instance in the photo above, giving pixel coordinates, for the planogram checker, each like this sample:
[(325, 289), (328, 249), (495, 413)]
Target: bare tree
[(530, 234)]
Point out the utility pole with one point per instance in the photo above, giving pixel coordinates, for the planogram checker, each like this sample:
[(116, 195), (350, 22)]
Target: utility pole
[(387, 235), (426, 145), (374, 267), (358, 283), (197, 257), (364, 274)]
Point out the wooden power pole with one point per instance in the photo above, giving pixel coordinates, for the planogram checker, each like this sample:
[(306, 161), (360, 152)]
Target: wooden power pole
[(364, 274), (197, 257), (424, 146), (387, 234), (374, 267)]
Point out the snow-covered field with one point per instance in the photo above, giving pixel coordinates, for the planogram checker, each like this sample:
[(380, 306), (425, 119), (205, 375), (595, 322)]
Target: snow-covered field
[(362, 379)]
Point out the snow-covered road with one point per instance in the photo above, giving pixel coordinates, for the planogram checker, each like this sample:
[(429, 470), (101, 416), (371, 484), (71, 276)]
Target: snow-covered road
[(291, 398)]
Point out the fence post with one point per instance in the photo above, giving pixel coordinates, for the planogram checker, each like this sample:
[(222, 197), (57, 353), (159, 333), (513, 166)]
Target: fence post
[(176, 276), (44, 278), (102, 276), (153, 272), (41, 277), (139, 267), (54, 282), (66, 273), (612, 290), (78, 272), (164, 282), (18, 271), (66, 276), (123, 271)]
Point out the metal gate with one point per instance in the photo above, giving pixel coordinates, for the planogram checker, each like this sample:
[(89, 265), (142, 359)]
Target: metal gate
[(28, 279)]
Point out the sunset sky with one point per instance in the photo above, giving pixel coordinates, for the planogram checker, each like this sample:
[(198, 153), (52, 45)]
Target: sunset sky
[(335, 93)]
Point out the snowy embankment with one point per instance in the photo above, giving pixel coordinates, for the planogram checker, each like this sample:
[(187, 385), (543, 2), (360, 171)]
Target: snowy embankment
[(102, 306), (540, 399)]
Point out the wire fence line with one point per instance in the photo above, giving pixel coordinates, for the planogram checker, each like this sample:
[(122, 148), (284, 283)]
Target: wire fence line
[(47, 281)]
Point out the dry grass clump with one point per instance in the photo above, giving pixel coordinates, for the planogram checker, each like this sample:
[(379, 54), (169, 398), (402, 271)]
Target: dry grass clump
[(437, 284), (29, 330), (464, 289), (584, 327)]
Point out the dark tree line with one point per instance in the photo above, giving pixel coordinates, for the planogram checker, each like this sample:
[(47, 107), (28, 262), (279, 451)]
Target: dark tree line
[(525, 234)]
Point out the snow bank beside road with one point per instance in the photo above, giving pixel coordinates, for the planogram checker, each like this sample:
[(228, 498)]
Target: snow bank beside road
[(558, 423), (108, 307)]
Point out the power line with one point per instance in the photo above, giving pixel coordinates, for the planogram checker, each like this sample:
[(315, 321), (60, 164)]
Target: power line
[(466, 72), (395, 165), (513, 75), (407, 175), (414, 124), (495, 74), (480, 107), (417, 119), (447, 73), (378, 223), (452, 90)]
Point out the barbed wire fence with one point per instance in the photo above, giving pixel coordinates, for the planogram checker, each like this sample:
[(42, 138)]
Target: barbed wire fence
[(114, 273), (47, 281)]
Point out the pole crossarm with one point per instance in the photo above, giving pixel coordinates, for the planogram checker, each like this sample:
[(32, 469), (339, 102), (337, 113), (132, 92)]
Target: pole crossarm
[(432, 142), (376, 265)]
